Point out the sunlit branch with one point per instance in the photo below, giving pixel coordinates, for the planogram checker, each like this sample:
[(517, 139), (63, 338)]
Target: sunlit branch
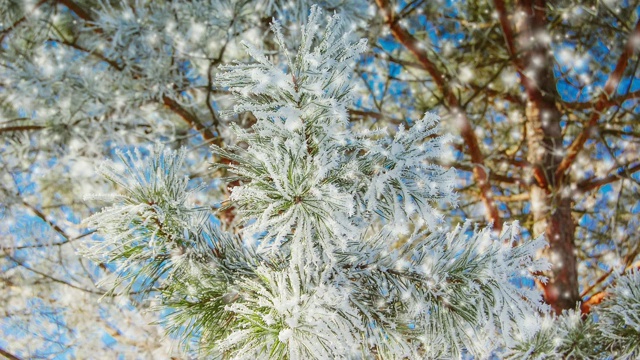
[(8, 355), (596, 299), (615, 101), (50, 277), (44, 218), (21, 128), (11, 27), (609, 90), (513, 198), (621, 172)]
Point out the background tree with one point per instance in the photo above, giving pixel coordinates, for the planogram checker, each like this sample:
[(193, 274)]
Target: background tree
[(544, 96)]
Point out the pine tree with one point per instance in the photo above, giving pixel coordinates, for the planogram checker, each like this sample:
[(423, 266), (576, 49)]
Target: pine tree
[(340, 250)]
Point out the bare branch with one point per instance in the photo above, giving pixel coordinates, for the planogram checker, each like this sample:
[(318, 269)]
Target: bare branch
[(374, 115), (83, 14), (50, 277), (509, 37), (191, 119), (8, 355), (35, 246), (513, 198), (21, 128), (621, 172), (6, 31), (44, 218), (609, 90)]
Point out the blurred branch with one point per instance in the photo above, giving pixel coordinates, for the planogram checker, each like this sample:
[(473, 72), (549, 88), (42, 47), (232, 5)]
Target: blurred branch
[(11, 27), (21, 128), (188, 117), (50, 277), (374, 115), (191, 119), (499, 94), (621, 172), (596, 299), (507, 31), (388, 57), (597, 282), (35, 246), (83, 14), (615, 101), (513, 198), (44, 218), (492, 175), (617, 132), (8, 355), (74, 45), (609, 90)]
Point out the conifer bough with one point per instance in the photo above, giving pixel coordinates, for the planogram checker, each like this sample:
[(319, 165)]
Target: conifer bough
[(340, 249)]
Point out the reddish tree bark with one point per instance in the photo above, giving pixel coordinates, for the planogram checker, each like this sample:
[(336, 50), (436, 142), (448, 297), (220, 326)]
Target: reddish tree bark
[(550, 204)]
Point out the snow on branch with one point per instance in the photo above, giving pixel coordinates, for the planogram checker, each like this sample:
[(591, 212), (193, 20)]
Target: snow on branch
[(454, 291), (304, 167), (341, 251), (612, 330)]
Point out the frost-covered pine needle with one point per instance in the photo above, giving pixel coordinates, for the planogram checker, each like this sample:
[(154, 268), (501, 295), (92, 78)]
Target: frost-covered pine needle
[(341, 251)]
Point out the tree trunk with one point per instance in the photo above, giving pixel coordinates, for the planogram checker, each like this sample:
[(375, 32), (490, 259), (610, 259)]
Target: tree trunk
[(550, 202)]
